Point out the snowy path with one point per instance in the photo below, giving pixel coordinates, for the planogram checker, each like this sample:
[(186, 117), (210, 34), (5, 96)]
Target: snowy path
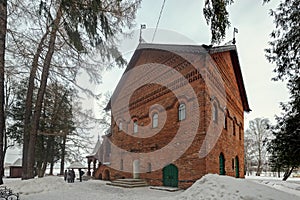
[(292, 185)]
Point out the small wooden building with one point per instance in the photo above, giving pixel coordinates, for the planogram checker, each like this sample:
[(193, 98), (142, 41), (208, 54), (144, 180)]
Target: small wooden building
[(15, 170)]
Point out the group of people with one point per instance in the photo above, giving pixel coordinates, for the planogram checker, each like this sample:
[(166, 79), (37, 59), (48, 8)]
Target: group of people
[(69, 176)]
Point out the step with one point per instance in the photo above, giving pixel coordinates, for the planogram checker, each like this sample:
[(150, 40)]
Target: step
[(129, 180), (128, 183), (164, 188)]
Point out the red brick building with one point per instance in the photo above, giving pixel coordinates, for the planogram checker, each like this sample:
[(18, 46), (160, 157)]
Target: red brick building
[(177, 114)]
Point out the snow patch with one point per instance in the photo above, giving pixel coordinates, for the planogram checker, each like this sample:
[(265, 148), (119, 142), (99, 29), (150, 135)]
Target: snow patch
[(212, 186), (38, 185)]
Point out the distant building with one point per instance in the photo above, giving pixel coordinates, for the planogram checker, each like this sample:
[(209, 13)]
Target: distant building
[(100, 156), (224, 156), (15, 169)]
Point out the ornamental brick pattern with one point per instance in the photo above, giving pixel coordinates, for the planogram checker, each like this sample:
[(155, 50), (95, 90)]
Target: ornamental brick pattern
[(229, 115)]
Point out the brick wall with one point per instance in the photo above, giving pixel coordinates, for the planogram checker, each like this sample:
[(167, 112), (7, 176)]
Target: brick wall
[(191, 166)]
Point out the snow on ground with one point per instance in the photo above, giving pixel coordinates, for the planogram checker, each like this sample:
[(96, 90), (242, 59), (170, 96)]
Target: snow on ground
[(292, 185), (213, 186), (210, 186)]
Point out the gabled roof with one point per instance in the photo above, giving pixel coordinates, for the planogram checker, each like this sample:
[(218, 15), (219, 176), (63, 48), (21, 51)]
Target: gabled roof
[(76, 165), (95, 150), (194, 49), (17, 163), (237, 71)]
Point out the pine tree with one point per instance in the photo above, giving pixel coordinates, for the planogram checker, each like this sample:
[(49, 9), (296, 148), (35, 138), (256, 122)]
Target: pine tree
[(284, 51), (217, 16)]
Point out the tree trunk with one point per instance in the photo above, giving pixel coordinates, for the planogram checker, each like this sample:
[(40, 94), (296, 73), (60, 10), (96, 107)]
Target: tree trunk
[(51, 167), (28, 106), (3, 29), (287, 173), (43, 169), (39, 166), (63, 149), (50, 153), (40, 96), (258, 171), (259, 166)]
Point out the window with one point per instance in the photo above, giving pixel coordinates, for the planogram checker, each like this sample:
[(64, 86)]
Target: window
[(155, 120), (233, 127), (232, 163), (135, 126), (149, 168), (215, 112), (240, 132), (181, 112), (121, 164), (120, 126), (225, 121)]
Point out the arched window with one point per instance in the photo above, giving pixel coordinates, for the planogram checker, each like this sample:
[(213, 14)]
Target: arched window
[(181, 112), (233, 126), (225, 121), (120, 126), (155, 120), (215, 112), (135, 126), (240, 131), (149, 168)]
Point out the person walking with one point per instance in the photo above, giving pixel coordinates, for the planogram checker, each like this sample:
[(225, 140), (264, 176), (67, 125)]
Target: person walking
[(72, 175), (69, 176), (65, 175)]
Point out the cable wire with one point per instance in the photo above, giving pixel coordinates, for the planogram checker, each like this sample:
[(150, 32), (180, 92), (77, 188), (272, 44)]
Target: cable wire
[(160, 14)]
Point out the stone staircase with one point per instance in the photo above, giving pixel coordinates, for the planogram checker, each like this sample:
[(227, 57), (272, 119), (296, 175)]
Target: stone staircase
[(128, 183)]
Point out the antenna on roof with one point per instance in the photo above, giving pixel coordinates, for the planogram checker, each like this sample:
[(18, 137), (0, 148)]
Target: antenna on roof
[(235, 30), (143, 26)]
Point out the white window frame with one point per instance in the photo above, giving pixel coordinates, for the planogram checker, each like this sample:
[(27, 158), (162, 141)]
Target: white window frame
[(215, 112), (181, 111), (120, 126), (155, 120), (135, 126)]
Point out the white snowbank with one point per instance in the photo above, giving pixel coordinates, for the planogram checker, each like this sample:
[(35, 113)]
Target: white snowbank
[(37, 185), (208, 187), (213, 186)]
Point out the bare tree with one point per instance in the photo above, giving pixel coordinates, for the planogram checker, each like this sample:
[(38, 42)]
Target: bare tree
[(257, 136)]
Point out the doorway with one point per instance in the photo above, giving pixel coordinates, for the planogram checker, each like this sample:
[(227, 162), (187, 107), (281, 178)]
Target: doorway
[(222, 164), (170, 176), (237, 171)]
